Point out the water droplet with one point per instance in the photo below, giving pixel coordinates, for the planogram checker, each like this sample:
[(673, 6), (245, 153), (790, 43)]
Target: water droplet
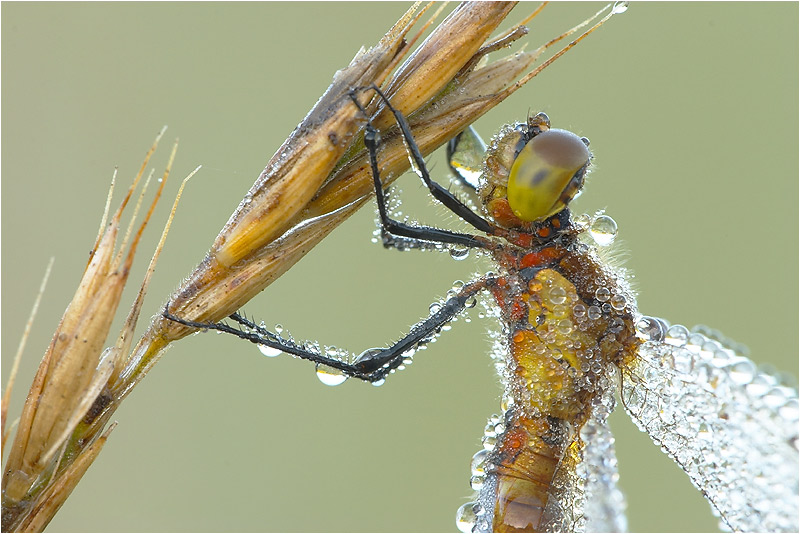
[(488, 430), (558, 295), (579, 310), (269, 351), (470, 303), (619, 7), (478, 463), (618, 302), (602, 294), (742, 371), (369, 353), (564, 326), (329, 375), (651, 328), (435, 307), (603, 230), (466, 518), (593, 313), (677, 335), (278, 329), (476, 482), (582, 221), (459, 252), (379, 382)]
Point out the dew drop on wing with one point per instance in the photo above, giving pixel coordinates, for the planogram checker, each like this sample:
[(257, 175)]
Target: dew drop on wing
[(651, 328)]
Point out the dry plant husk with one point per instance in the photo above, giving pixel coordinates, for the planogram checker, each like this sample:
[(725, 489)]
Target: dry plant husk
[(315, 180)]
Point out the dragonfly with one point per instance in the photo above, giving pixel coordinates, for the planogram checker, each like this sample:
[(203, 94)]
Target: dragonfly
[(571, 340)]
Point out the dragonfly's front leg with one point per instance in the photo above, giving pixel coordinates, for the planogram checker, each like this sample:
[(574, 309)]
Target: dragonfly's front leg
[(417, 236), (372, 365)]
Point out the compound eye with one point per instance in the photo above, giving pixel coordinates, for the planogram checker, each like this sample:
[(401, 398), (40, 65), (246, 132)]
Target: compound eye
[(547, 174)]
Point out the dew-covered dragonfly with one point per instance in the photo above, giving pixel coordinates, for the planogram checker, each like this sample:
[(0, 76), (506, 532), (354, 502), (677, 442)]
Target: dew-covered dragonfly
[(570, 341)]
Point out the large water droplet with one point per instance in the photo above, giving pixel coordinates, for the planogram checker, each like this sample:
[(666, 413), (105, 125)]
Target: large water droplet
[(558, 295), (478, 463), (329, 375), (602, 294), (619, 7), (677, 335), (651, 328), (465, 517), (564, 326), (742, 371), (459, 252), (476, 482), (603, 230), (270, 352)]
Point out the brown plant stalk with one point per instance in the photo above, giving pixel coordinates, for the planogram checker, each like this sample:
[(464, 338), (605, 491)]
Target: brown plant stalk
[(316, 179)]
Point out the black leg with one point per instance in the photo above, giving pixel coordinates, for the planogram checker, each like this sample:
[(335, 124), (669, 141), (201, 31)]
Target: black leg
[(372, 365), (422, 233)]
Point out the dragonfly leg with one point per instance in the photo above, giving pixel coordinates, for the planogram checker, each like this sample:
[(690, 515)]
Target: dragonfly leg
[(372, 365), (421, 233)]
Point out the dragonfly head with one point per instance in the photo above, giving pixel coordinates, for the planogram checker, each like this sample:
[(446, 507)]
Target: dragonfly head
[(533, 171)]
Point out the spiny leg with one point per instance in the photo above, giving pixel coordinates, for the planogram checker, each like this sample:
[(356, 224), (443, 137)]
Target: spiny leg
[(371, 365), (422, 233)]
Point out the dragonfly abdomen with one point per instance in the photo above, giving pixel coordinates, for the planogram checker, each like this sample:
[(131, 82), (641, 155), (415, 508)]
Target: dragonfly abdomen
[(526, 459)]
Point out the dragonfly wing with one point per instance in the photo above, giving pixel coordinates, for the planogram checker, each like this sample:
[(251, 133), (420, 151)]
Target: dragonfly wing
[(585, 496), (604, 508), (731, 427)]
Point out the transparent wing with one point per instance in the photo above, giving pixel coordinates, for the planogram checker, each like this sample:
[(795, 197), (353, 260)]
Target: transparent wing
[(731, 427), (585, 496), (604, 508)]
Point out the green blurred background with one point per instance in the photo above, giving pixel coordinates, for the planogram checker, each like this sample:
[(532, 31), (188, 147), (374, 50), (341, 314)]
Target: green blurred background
[(692, 112)]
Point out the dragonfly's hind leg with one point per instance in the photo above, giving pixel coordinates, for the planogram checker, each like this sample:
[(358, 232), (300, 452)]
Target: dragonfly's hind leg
[(371, 365)]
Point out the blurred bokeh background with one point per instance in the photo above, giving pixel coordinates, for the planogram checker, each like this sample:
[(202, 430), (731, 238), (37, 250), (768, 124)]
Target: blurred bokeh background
[(692, 110)]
